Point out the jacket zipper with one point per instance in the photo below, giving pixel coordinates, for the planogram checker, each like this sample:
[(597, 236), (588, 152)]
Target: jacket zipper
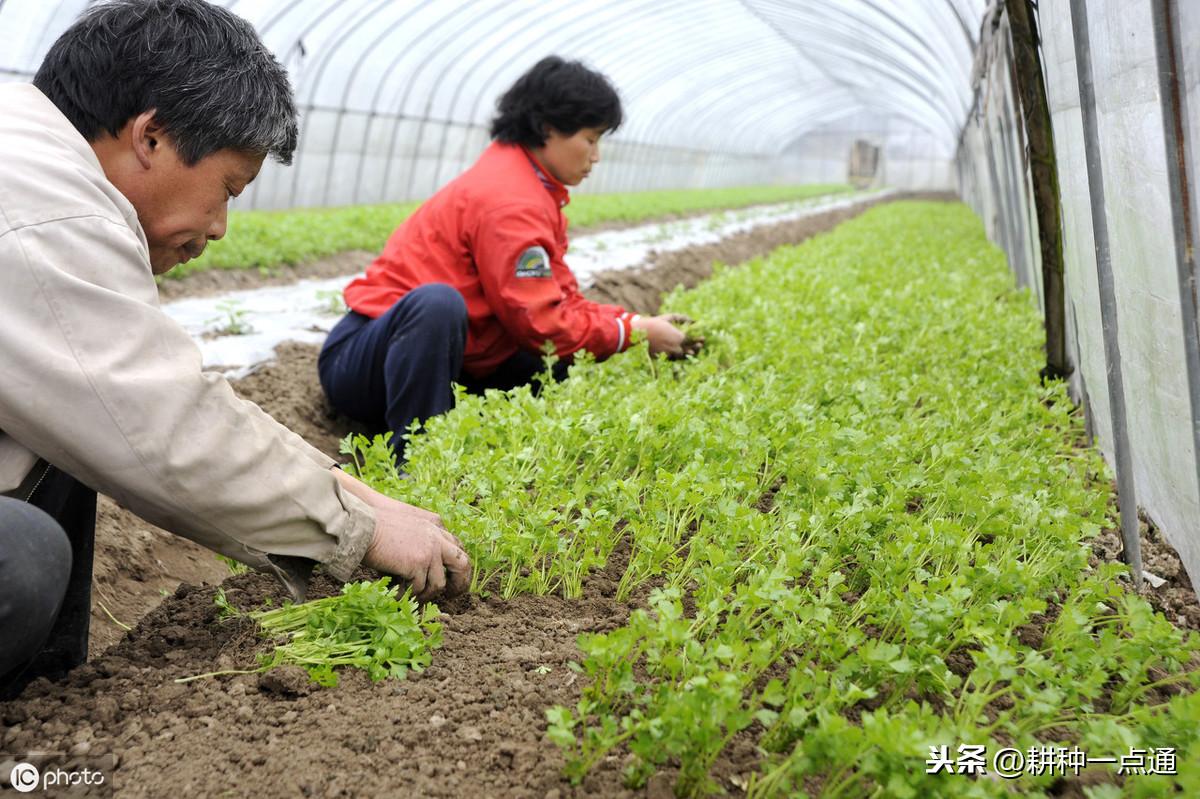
[(38, 484)]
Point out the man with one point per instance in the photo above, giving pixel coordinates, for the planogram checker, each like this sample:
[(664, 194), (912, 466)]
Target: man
[(474, 284), (116, 164)]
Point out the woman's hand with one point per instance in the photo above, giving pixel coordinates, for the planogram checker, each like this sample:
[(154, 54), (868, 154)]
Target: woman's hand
[(664, 337)]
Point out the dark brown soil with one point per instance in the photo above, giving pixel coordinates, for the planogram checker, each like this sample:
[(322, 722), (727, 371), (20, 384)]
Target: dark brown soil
[(135, 566), (471, 725), (1176, 599)]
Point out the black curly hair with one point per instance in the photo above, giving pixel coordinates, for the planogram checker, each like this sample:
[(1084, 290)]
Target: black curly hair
[(556, 93)]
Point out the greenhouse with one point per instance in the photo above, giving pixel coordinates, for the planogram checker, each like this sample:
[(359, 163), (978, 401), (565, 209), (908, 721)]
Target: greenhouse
[(760, 398)]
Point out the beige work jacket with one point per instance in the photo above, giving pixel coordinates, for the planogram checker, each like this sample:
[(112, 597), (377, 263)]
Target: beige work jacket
[(98, 381)]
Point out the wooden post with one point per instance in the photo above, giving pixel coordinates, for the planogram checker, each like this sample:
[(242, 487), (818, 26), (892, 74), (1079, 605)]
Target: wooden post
[(1031, 89)]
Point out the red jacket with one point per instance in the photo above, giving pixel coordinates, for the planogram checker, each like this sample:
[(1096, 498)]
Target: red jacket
[(497, 234)]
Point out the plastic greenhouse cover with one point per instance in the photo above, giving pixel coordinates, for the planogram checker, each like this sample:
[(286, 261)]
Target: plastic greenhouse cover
[(747, 76)]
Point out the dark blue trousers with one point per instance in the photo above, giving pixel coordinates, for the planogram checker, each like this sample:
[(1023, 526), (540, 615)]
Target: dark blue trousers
[(46, 547), (388, 372)]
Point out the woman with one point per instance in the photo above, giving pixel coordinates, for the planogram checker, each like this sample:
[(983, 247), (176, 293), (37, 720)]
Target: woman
[(471, 287)]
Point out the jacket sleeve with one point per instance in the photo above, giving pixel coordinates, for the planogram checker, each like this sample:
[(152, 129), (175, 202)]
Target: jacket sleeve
[(102, 384), (512, 247)]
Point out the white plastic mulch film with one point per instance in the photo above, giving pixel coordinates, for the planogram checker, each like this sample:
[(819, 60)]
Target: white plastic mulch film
[(1126, 163), (396, 95)]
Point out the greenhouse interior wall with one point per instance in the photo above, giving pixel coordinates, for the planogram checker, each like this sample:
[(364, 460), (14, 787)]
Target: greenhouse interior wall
[(1121, 82)]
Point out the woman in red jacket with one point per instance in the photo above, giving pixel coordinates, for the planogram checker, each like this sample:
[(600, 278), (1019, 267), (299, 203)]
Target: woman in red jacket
[(471, 287)]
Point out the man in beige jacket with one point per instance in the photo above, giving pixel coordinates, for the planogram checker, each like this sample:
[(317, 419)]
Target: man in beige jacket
[(145, 118)]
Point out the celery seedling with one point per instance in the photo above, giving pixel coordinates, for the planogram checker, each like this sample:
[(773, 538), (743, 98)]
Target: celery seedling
[(366, 626)]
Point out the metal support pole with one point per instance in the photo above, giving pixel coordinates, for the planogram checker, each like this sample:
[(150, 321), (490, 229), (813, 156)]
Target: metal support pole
[(1126, 498)]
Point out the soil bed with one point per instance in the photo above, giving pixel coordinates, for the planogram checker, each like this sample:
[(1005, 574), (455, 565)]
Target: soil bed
[(471, 725), (1175, 599)]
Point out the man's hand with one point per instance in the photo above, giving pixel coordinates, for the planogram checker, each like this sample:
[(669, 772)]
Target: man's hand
[(413, 544), (664, 337)]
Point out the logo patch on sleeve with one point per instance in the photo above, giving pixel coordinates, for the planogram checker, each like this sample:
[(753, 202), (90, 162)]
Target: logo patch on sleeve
[(534, 262)]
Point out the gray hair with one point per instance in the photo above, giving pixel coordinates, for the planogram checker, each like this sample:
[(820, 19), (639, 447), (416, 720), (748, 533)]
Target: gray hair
[(209, 79)]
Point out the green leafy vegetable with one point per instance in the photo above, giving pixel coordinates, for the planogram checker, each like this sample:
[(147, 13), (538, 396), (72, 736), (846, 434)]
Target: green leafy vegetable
[(367, 626), (856, 526)]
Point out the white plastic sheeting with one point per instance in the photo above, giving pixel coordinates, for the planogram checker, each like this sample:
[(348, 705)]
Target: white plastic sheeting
[(396, 95), (1143, 54)]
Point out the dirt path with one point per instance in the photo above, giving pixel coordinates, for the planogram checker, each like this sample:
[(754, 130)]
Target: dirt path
[(472, 725)]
